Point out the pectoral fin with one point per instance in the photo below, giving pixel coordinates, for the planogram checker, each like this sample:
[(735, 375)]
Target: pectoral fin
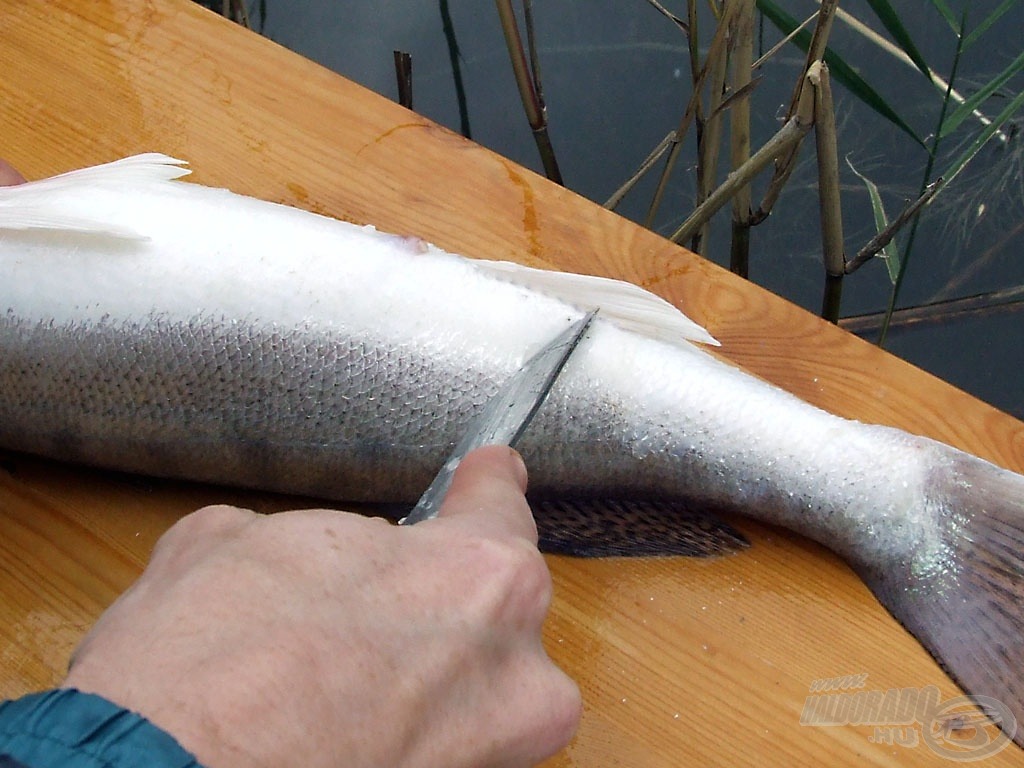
[(42, 204), (628, 306)]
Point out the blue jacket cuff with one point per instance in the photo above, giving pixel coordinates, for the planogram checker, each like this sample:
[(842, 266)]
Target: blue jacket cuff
[(72, 729)]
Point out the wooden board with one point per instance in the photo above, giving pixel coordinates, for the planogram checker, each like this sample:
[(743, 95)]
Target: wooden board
[(680, 661)]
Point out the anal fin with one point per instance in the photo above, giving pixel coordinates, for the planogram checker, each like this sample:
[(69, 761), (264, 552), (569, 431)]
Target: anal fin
[(627, 528)]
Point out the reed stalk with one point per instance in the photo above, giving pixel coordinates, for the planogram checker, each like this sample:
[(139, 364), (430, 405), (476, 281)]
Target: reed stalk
[(829, 207), (670, 16), (787, 137), (529, 89), (236, 11), (777, 146), (875, 245), (710, 143), (693, 48), (984, 304), (403, 73), (455, 59), (649, 162), (739, 136), (693, 109), (785, 40), (785, 164)]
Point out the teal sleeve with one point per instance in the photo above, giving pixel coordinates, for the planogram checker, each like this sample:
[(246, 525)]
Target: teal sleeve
[(72, 729)]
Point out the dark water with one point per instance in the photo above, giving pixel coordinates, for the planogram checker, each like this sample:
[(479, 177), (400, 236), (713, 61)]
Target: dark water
[(616, 80)]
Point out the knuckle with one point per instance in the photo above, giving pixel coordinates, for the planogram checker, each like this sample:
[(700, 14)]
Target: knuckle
[(534, 580), (216, 517), (203, 525), (522, 568), (510, 579)]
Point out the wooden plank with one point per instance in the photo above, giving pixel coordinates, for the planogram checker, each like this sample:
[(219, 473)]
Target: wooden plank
[(680, 661)]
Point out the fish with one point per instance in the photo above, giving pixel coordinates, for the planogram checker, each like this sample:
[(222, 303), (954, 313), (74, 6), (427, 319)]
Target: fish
[(162, 327)]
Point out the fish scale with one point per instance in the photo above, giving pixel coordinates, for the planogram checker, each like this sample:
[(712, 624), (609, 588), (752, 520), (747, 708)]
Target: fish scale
[(176, 330)]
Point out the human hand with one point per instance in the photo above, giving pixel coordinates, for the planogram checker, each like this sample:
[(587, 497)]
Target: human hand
[(317, 638), (9, 175)]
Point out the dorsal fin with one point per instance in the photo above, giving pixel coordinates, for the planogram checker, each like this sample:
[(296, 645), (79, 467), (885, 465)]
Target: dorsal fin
[(627, 305), (36, 204)]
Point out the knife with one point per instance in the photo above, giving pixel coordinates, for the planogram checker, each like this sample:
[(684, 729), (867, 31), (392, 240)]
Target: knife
[(507, 414)]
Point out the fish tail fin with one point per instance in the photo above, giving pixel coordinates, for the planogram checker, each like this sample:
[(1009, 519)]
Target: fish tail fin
[(42, 204), (964, 598)]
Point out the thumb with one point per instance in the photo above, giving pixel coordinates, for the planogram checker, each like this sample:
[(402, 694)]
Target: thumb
[(488, 494)]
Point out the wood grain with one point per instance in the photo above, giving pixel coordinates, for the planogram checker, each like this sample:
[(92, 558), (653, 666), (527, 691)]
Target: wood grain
[(680, 661)]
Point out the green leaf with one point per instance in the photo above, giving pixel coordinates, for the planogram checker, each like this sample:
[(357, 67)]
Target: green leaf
[(997, 123), (890, 254), (891, 21), (965, 110), (947, 13), (991, 19), (841, 71)]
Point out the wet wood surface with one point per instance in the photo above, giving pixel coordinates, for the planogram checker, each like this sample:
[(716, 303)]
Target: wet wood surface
[(680, 661)]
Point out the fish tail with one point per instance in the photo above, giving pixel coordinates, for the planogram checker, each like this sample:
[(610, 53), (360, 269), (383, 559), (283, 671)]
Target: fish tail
[(963, 595)]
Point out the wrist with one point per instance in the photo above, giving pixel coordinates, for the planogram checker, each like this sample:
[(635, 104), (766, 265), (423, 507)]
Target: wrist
[(72, 729)]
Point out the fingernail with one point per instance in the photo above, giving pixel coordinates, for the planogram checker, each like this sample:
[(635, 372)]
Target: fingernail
[(521, 473)]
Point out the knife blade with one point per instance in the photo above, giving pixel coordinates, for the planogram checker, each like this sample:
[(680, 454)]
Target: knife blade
[(507, 414)]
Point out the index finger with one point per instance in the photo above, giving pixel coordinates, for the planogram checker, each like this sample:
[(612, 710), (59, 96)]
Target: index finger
[(488, 494)]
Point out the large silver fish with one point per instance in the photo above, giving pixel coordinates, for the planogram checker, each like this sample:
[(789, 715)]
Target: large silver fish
[(177, 330)]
